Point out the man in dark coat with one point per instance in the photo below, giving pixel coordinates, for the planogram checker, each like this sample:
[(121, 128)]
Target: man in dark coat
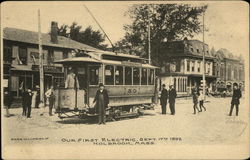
[(172, 96), (8, 98), (235, 99), (102, 101), (27, 97), (37, 101), (163, 99)]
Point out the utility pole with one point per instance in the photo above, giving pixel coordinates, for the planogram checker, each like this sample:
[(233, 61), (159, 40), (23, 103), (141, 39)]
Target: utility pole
[(40, 59), (203, 58), (149, 45)]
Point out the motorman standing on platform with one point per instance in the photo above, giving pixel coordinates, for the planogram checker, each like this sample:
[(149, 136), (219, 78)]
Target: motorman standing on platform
[(164, 99), (102, 101), (71, 80)]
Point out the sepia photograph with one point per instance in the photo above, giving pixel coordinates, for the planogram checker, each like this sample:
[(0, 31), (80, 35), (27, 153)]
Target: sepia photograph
[(125, 80)]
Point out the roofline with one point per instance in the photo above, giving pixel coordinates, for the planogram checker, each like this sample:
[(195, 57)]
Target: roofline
[(50, 45), (187, 40), (4, 38)]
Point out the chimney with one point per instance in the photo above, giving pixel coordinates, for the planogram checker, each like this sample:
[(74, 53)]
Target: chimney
[(54, 32)]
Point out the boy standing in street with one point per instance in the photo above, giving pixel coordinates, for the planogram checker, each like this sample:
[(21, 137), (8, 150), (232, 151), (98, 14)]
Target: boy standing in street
[(201, 101), (50, 94)]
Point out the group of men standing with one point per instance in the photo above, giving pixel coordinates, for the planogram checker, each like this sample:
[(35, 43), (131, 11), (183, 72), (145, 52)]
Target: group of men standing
[(168, 96), (31, 98), (198, 98)]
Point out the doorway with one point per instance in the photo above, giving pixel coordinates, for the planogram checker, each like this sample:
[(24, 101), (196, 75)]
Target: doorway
[(48, 81)]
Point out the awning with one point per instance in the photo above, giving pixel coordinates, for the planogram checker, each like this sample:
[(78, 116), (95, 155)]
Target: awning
[(21, 68)]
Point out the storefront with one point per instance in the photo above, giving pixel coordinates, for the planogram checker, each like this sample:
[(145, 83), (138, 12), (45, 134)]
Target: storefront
[(23, 77)]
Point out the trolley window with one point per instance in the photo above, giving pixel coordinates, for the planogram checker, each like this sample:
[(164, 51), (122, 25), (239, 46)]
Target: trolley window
[(82, 77), (93, 75), (118, 75), (151, 77), (109, 75), (136, 76), (128, 76), (144, 76)]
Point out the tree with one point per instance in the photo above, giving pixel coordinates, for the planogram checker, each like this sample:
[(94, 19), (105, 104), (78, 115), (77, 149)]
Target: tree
[(87, 36), (167, 22)]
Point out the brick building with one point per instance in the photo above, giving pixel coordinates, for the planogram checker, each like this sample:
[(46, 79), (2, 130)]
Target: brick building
[(21, 57), (229, 70), (183, 65)]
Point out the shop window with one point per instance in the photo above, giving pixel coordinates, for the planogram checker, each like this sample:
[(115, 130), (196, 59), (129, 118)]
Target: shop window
[(22, 53), (65, 54), (109, 75), (151, 77), (58, 55), (136, 76), (50, 56), (93, 75), (144, 76), (118, 75), (128, 76)]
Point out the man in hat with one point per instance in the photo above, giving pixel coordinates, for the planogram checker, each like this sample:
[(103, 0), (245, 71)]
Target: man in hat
[(27, 97), (102, 101), (163, 99), (172, 96), (37, 101), (235, 99), (50, 94)]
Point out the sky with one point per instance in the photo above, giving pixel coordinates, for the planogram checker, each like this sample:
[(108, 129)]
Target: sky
[(227, 21)]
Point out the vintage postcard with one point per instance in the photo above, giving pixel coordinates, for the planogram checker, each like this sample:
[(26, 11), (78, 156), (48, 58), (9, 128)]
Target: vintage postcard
[(125, 80)]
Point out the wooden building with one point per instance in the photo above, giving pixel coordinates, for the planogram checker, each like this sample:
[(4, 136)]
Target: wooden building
[(21, 57)]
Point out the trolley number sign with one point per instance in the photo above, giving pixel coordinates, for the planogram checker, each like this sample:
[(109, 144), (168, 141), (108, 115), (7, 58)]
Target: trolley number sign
[(131, 91)]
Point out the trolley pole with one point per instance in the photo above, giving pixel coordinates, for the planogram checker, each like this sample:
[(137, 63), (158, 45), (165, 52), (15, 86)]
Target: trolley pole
[(149, 45), (203, 59), (40, 59)]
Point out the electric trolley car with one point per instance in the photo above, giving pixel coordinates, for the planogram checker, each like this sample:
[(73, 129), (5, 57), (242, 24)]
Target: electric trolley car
[(129, 80)]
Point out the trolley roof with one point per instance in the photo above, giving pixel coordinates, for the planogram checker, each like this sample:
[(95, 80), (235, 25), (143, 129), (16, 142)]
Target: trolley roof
[(94, 60), (78, 59), (115, 54)]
